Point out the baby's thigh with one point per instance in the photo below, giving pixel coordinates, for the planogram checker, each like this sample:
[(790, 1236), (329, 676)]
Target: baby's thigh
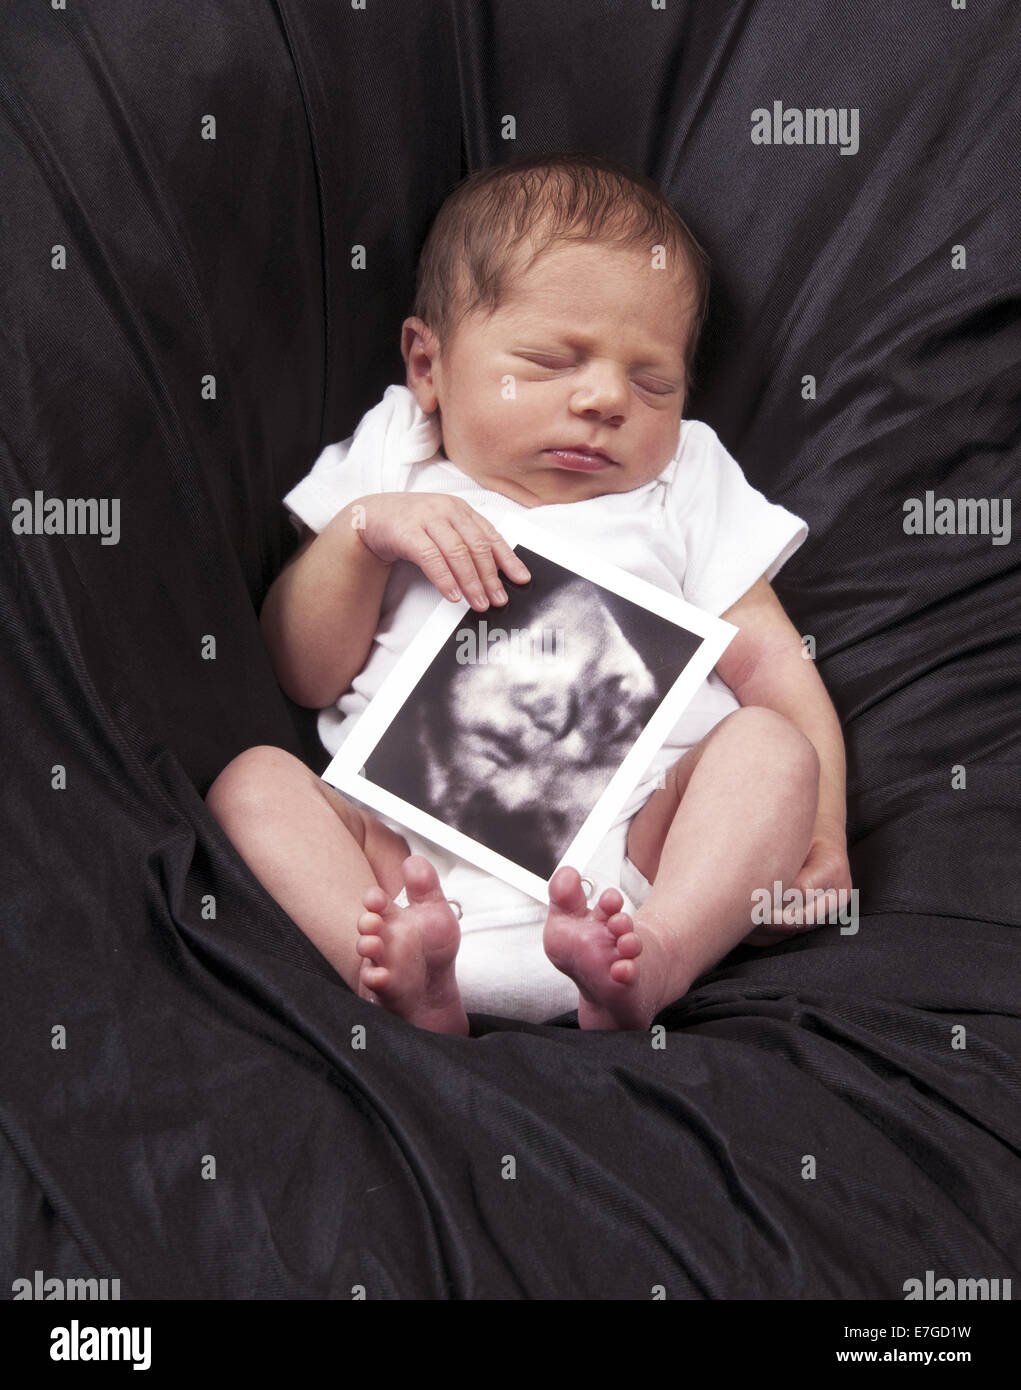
[(750, 748), (270, 787), (651, 825)]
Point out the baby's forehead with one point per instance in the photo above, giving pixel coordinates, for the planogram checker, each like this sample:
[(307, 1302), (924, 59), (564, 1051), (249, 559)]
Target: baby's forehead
[(527, 267), (575, 308), (532, 255)]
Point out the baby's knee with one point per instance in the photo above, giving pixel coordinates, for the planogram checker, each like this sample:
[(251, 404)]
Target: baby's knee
[(252, 781), (778, 742)]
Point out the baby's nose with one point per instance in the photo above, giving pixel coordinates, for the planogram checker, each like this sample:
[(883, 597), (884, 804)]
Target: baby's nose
[(601, 386)]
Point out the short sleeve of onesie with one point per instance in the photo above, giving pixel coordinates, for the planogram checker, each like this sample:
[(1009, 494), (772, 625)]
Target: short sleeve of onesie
[(731, 535), (377, 458)]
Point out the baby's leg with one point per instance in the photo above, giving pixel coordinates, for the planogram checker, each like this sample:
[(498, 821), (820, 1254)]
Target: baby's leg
[(736, 814), (335, 870)]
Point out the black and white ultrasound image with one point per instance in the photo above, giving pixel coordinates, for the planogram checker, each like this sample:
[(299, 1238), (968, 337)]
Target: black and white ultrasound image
[(516, 727)]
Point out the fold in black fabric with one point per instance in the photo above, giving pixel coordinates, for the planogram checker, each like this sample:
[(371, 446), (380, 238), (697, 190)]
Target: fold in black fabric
[(189, 1036)]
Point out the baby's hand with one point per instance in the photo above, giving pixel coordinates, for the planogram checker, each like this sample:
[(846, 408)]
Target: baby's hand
[(453, 545), (827, 871)]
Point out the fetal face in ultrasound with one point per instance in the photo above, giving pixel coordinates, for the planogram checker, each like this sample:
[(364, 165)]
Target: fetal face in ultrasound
[(516, 728)]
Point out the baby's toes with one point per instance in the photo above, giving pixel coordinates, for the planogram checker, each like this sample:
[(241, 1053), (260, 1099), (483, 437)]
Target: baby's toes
[(369, 943), (368, 947), (374, 977), (567, 893), (620, 925), (624, 972), (375, 899), (611, 900), (629, 943)]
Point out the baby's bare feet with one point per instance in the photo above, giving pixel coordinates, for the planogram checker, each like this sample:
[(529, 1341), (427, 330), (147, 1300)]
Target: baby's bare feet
[(409, 953), (599, 949)]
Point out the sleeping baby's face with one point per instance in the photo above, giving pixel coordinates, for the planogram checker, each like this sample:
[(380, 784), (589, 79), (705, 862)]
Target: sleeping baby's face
[(585, 353)]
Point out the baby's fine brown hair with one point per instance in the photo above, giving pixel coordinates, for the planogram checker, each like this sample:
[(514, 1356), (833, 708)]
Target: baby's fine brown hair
[(548, 198)]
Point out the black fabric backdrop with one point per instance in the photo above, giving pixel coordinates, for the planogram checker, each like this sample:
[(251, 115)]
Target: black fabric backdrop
[(186, 1035)]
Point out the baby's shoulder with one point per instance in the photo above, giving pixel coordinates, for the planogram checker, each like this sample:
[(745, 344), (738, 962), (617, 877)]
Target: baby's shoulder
[(699, 454), (697, 435)]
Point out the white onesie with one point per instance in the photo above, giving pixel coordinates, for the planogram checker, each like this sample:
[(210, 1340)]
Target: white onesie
[(699, 531)]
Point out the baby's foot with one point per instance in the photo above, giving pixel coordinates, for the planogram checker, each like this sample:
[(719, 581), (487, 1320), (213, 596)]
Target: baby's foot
[(599, 949), (409, 953)]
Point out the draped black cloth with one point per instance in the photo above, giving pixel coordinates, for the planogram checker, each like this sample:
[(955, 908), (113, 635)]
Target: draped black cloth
[(188, 1100)]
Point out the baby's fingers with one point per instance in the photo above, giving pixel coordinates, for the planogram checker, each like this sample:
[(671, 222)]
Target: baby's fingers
[(814, 892), (820, 906), (515, 569), (470, 548), (466, 555), (428, 555)]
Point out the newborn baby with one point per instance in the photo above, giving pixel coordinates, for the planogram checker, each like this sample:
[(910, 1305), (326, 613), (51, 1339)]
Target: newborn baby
[(547, 364)]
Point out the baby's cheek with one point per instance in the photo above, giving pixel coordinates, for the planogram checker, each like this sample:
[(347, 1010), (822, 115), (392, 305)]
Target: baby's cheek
[(488, 427)]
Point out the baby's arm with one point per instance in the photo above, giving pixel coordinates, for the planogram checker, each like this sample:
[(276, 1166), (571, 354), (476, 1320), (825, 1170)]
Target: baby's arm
[(331, 585), (765, 665), (321, 614)]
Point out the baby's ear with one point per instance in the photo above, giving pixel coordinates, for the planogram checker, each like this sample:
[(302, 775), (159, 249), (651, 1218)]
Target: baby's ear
[(417, 336), (420, 349)]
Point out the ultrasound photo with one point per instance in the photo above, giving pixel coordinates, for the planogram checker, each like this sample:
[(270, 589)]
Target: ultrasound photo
[(513, 736)]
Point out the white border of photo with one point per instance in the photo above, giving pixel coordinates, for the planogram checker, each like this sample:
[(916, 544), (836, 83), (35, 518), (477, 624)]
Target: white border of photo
[(346, 770)]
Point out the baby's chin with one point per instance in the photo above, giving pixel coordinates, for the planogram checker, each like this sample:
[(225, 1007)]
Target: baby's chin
[(614, 477), (539, 483), (555, 485)]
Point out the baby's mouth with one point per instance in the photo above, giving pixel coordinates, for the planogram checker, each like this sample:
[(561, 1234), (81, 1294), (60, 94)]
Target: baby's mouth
[(582, 460)]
